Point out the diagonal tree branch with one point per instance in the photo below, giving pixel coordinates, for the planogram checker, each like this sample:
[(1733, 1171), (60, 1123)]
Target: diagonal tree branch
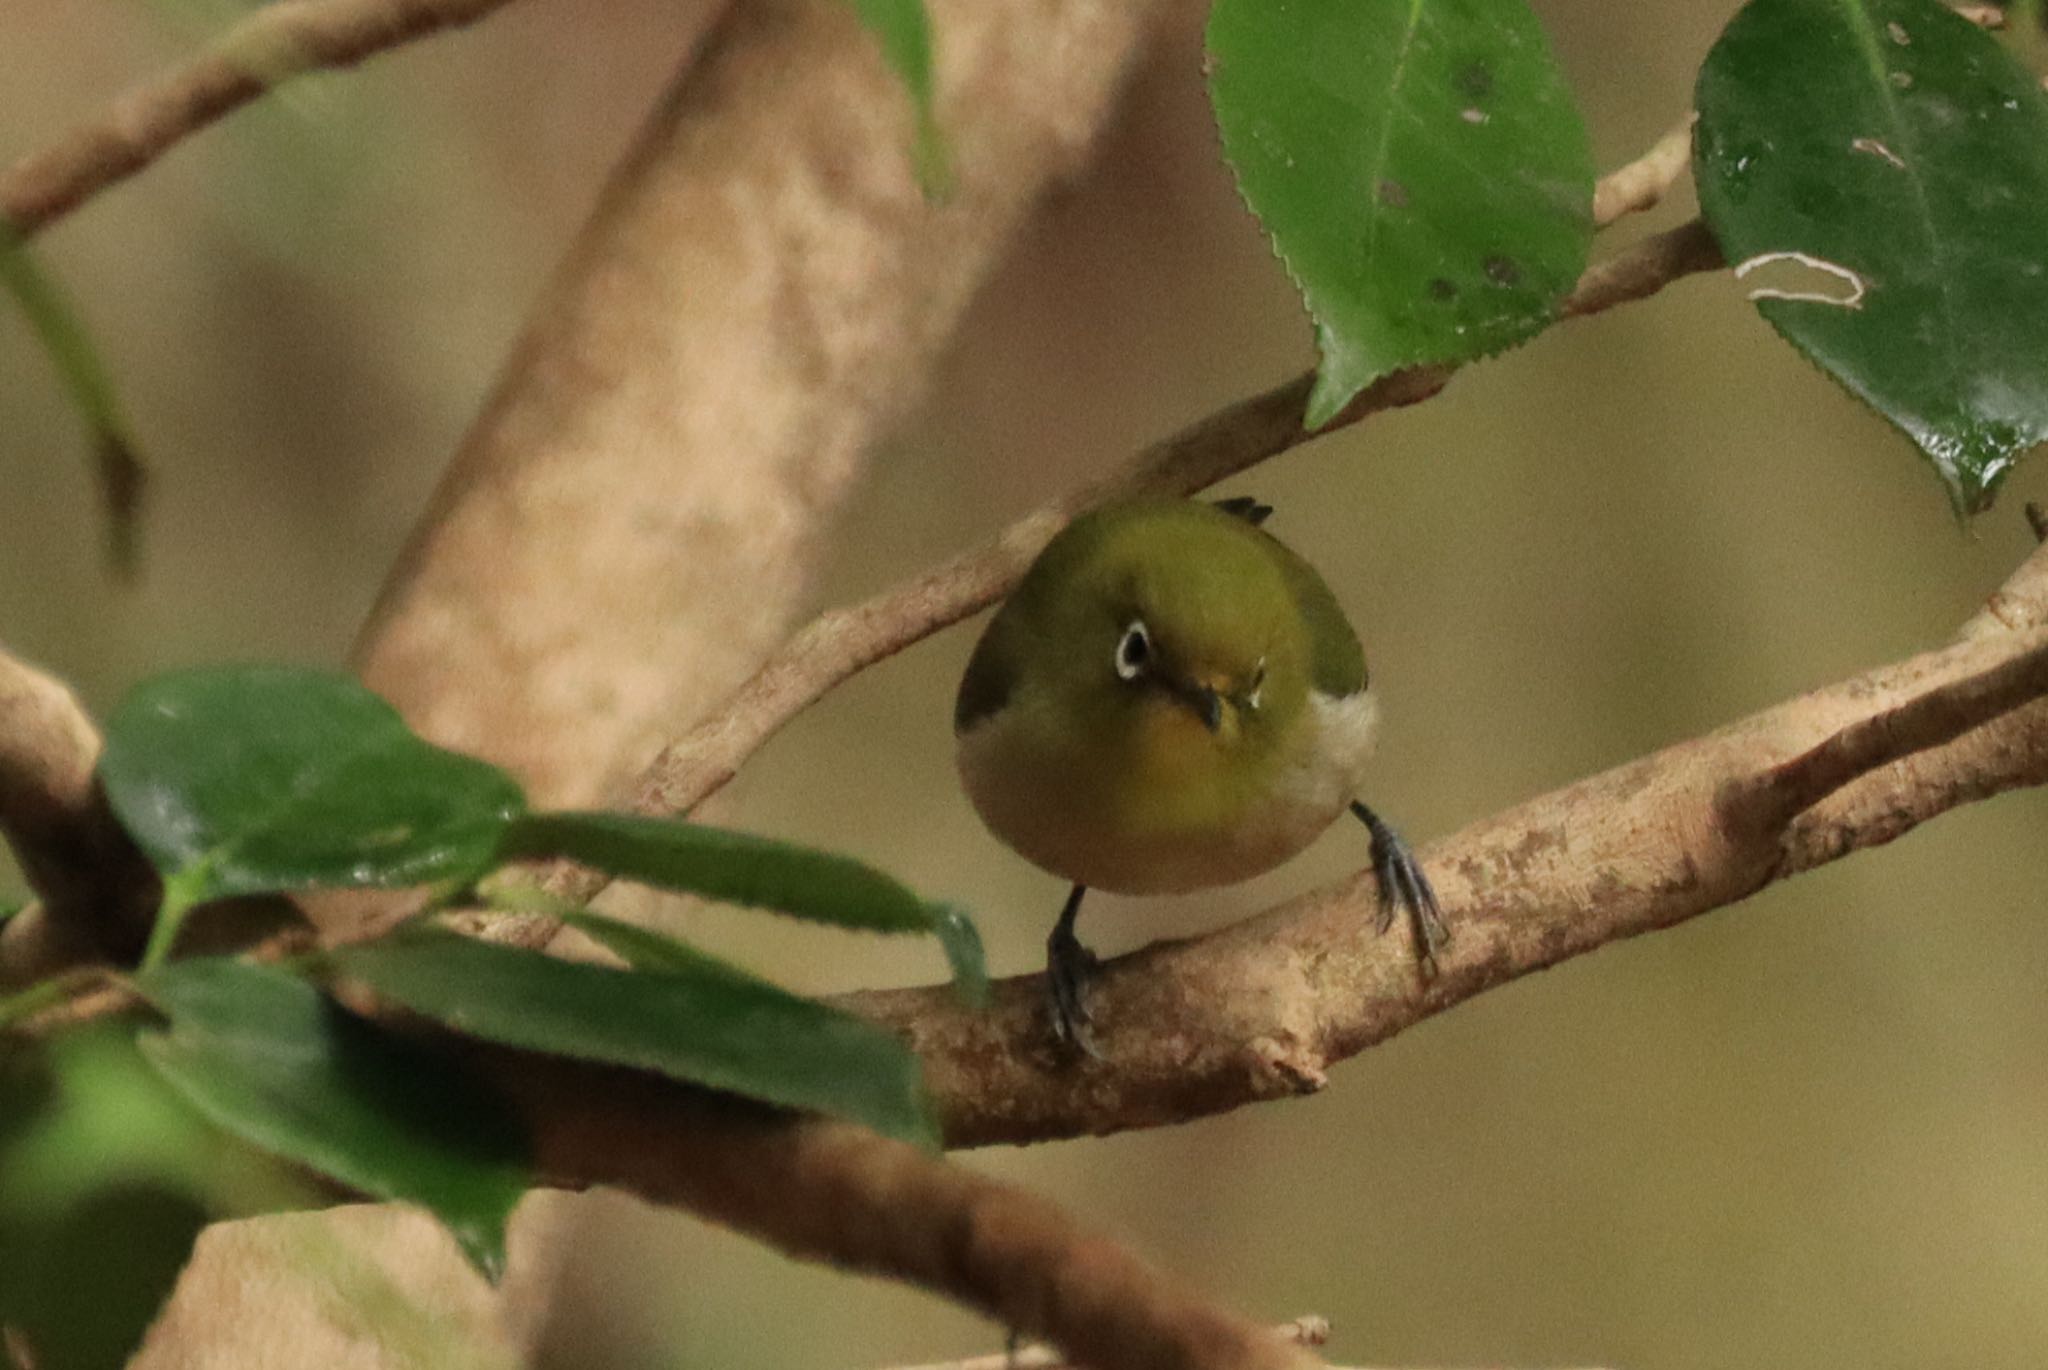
[(281, 40), (837, 1193), (1262, 1009), (753, 303)]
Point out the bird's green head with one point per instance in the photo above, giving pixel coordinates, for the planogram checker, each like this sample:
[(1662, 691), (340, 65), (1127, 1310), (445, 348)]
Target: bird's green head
[(1163, 630)]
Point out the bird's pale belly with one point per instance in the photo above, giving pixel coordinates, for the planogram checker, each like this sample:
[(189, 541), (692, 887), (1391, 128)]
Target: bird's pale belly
[(1167, 838)]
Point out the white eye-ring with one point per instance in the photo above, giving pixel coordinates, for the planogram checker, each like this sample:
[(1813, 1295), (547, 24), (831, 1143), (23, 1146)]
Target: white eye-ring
[(1251, 701), (1133, 651)]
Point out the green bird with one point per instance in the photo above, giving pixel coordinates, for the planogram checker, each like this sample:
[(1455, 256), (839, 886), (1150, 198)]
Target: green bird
[(1171, 699)]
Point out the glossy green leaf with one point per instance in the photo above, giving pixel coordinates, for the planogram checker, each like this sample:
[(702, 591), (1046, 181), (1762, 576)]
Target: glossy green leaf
[(257, 779), (266, 1056), (87, 382), (704, 1027), (1419, 166), (904, 31), (1896, 157), (741, 868)]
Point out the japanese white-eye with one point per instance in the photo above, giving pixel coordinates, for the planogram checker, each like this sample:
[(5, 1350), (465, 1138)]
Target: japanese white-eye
[(1171, 699)]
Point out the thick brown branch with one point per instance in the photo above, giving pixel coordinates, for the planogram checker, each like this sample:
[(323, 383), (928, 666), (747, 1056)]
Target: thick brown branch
[(277, 42), (755, 301), (95, 888), (837, 1193)]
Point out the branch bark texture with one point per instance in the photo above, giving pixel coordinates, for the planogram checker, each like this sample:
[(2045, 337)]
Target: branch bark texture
[(628, 527), (281, 40)]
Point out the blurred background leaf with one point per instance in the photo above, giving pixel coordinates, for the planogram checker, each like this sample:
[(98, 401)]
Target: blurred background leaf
[(105, 1180), (1903, 147), (89, 385)]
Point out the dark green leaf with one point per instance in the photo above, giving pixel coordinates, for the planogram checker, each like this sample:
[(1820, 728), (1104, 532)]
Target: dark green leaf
[(1420, 167), (1900, 156), (904, 30), (705, 1027), (87, 382), (740, 868), (266, 1056), (257, 779)]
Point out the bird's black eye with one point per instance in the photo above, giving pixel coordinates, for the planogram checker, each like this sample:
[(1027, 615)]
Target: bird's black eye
[(1133, 651)]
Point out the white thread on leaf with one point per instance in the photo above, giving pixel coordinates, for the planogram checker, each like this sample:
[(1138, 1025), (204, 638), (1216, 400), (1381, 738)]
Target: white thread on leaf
[(1853, 300)]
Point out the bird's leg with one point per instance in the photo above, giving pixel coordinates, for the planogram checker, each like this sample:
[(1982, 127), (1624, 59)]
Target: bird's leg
[(1403, 886), (1068, 965)]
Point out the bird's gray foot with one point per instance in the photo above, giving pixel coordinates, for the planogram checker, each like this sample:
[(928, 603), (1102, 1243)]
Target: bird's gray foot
[(1404, 887), (1068, 966)]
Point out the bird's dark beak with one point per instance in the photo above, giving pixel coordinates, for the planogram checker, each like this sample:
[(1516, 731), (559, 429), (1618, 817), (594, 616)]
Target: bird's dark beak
[(1207, 703)]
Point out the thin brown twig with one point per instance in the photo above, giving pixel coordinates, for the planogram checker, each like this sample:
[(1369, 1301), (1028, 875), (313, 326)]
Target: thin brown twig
[(1307, 1330), (281, 40), (1643, 183)]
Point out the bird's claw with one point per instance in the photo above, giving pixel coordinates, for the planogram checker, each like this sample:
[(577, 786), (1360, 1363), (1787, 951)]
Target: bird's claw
[(1405, 888), (1068, 968)]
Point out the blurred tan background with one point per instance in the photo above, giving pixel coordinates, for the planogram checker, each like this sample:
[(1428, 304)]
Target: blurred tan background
[(1806, 1131)]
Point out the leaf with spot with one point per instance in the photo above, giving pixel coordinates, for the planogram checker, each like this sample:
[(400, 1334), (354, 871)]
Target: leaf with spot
[(1900, 156), (1419, 166), (251, 780)]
